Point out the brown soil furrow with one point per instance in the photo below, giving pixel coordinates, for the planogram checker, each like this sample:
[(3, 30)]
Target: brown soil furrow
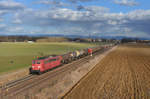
[(123, 74)]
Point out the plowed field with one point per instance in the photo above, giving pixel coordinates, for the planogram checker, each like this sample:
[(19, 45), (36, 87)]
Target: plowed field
[(122, 74)]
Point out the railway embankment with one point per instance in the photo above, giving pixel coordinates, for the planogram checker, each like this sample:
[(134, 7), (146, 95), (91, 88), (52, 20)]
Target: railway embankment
[(14, 75)]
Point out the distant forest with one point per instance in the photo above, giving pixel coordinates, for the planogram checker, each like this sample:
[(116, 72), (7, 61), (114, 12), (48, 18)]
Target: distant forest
[(65, 39), (45, 39)]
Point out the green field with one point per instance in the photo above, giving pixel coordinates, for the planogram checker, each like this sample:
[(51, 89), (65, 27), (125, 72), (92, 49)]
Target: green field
[(20, 55)]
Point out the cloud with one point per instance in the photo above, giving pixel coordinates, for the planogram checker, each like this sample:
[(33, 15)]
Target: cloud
[(11, 5), (93, 19), (1, 19), (15, 29), (3, 27), (75, 1), (17, 21), (96, 9), (126, 2), (3, 12), (139, 20), (54, 3), (82, 20)]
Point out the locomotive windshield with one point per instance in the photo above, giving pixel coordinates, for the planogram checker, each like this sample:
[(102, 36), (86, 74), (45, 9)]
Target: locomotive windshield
[(36, 62), (33, 62)]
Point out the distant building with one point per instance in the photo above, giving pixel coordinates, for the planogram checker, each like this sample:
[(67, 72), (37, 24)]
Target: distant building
[(30, 42), (99, 40)]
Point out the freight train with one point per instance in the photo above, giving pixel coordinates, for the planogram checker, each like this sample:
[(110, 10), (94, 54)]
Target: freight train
[(46, 63)]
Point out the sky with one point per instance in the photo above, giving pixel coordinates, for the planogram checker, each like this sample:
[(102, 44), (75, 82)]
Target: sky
[(129, 18)]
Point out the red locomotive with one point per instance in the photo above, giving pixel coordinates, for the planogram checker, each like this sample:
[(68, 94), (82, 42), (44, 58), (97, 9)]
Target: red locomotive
[(90, 51), (44, 64)]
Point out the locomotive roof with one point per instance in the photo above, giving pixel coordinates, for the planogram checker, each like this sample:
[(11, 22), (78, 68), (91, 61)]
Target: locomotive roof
[(44, 57)]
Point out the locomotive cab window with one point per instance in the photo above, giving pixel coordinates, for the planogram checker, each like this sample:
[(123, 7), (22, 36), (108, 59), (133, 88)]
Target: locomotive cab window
[(38, 62), (51, 60), (54, 59), (33, 62)]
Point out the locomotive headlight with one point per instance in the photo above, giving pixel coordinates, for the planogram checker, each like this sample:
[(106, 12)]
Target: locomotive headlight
[(39, 66)]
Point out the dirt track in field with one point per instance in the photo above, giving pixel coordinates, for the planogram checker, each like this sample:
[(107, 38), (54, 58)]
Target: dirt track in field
[(122, 74)]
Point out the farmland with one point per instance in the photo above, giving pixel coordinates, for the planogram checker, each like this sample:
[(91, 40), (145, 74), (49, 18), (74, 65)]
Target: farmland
[(122, 74), (15, 56)]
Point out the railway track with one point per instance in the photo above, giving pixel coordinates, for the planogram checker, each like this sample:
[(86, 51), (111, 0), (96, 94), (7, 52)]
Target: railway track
[(28, 82), (15, 82)]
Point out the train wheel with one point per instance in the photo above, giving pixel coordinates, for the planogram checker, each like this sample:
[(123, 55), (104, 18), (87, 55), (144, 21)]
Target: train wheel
[(66, 61), (39, 73), (62, 62), (30, 70)]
